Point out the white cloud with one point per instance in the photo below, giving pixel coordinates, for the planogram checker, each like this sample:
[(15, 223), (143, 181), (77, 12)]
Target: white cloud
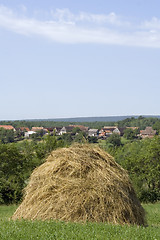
[(66, 27), (64, 15), (153, 24)]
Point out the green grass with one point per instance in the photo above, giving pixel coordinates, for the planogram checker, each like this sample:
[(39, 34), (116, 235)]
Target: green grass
[(153, 214), (7, 211), (46, 230)]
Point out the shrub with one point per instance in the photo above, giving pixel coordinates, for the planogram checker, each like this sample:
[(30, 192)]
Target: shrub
[(142, 160)]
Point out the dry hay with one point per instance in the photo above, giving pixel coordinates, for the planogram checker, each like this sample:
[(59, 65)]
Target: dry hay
[(80, 184)]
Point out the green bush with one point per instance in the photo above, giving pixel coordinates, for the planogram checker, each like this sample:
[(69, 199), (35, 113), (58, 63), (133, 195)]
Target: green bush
[(17, 161), (11, 173), (142, 161)]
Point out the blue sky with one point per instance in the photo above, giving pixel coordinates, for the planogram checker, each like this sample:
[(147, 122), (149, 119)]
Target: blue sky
[(68, 58)]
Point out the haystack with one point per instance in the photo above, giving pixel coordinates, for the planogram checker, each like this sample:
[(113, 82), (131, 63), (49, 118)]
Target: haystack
[(80, 184)]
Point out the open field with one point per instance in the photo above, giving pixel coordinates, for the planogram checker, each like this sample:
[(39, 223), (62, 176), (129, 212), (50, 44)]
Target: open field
[(46, 230)]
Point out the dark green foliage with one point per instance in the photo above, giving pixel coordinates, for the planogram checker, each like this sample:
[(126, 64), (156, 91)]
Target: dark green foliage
[(11, 173), (18, 135), (76, 130), (142, 160), (48, 124), (80, 138), (114, 140), (48, 144), (6, 136), (156, 126), (38, 135), (140, 122), (130, 134), (17, 161), (67, 138), (92, 139)]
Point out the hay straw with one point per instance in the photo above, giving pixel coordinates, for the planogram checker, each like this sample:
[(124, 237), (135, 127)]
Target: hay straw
[(80, 184)]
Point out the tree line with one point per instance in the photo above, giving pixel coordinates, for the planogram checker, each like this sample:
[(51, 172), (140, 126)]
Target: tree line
[(141, 122)]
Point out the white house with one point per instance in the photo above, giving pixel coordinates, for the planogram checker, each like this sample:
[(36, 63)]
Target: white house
[(28, 134)]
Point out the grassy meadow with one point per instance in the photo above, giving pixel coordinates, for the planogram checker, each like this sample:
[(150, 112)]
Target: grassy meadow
[(46, 230)]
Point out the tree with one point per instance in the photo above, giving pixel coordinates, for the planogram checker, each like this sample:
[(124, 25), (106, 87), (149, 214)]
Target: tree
[(142, 161), (6, 136), (9, 136), (67, 138), (76, 130), (17, 161), (114, 139), (92, 139), (130, 134), (2, 135), (80, 138), (11, 173), (156, 126)]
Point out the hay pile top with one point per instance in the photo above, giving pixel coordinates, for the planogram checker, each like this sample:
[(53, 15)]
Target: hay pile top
[(80, 184)]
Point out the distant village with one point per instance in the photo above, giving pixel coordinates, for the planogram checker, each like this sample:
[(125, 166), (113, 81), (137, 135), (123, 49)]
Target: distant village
[(102, 133)]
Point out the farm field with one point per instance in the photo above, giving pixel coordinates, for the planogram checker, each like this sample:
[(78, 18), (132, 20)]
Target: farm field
[(46, 230)]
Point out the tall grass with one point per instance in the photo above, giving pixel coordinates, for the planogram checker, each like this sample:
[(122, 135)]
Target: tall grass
[(48, 230)]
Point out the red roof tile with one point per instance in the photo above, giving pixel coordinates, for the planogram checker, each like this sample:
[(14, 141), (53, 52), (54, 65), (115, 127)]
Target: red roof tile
[(7, 127)]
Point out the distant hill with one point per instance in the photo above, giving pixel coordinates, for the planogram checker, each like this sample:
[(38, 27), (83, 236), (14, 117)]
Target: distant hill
[(95, 119)]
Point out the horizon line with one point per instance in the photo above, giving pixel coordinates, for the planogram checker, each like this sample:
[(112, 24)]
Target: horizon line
[(62, 118)]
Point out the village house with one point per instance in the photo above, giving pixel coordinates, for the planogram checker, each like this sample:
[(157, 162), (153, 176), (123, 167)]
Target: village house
[(22, 129), (93, 132), (122, 131), (53, 130), (36, 129), (108, 130), (39, 129), (7, 127), (28, 134), (133, 128), (50, 130), (67, 129), (81, 127), (57, 130), (147, 133), (117, 131)]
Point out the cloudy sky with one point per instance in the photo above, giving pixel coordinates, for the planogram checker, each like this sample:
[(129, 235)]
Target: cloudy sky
[(67, 58)]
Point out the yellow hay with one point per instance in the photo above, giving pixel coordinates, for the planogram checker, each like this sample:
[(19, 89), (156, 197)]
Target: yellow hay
[(80, 184)]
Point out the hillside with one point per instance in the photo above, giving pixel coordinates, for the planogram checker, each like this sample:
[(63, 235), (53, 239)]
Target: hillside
[(94, 119)]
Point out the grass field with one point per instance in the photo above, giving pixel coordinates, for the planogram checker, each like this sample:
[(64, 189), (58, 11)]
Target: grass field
[(47, 230)]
